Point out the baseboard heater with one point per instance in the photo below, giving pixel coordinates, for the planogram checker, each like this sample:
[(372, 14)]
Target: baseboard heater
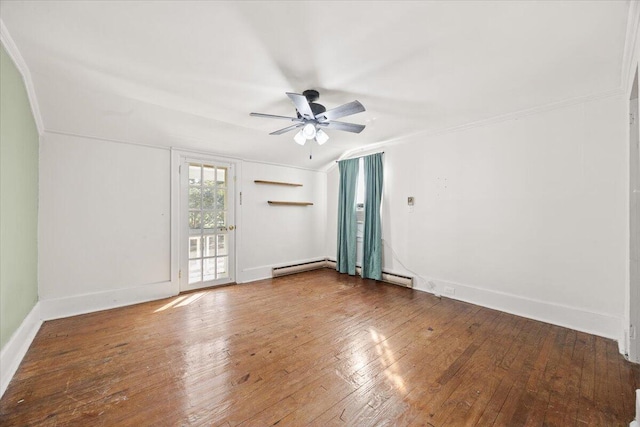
[(393, 278), (298, 268)]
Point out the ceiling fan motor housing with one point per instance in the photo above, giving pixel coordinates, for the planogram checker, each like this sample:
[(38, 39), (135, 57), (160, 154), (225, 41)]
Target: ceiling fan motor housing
[(311, 95)]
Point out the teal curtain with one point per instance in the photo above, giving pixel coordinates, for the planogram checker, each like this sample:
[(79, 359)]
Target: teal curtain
[(346, 253), (372, 237)]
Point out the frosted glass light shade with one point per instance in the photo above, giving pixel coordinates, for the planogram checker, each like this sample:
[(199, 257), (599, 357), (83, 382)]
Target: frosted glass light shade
[(299, 138), (321, 137), (309, 131)]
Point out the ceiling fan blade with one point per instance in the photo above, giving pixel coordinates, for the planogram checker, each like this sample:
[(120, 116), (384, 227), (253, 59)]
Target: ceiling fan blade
[(348, 127), (302, 105), (271, 116), (342, 111), (287, 129)]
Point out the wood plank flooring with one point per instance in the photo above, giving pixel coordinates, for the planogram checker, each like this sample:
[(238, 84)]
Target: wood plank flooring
[(317, 349)]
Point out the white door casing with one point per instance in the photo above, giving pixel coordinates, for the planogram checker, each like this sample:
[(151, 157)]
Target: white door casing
[(634, 228)]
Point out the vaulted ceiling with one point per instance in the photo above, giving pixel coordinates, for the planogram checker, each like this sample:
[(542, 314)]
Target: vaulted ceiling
[(187, 74)]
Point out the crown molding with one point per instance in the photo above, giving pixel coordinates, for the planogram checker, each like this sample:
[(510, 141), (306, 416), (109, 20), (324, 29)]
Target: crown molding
[(14, 54), (633, 21), (99, 138)]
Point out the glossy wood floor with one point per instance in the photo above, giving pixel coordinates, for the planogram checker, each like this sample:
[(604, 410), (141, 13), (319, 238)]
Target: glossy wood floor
[(318, 349)]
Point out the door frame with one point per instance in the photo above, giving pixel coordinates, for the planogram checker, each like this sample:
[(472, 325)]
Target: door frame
[(179, 156), (634, 228)]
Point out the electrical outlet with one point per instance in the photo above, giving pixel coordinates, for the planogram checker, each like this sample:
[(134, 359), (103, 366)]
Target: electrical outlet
[(449, 290)]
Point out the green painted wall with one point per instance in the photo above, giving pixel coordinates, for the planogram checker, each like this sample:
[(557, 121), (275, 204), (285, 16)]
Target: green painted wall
[(18, 201)]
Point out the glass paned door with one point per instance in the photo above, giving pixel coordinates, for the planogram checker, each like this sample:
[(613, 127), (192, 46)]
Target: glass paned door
[(208, 208)]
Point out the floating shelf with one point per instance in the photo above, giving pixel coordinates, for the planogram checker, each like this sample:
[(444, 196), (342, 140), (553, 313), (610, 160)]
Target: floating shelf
[(273, 202), (290, 184)]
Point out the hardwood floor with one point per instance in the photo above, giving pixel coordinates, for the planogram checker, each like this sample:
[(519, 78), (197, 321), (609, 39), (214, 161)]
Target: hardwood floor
[(318, 349)]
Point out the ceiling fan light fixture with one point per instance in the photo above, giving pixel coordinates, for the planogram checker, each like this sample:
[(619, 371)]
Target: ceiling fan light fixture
[(321, 137), (309, 131), (299, 138), (310, 116)]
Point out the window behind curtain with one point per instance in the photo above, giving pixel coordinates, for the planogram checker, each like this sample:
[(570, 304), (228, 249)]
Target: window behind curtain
[(360, 197)]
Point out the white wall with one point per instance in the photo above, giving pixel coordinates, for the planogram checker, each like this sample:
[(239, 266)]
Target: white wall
[(280, 235), (104, 224), (525, 215), (331, 237)]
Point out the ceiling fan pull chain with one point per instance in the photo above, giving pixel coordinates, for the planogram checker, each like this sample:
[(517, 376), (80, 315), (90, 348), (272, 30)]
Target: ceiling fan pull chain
[(310, 151)]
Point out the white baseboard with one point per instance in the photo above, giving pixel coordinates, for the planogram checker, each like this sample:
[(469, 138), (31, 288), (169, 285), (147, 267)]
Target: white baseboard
[(14, 350), (601, 324), (636, 423), (88, 303)]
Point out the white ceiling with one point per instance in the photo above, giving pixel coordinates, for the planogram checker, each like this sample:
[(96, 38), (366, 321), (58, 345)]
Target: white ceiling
[(188, 74)]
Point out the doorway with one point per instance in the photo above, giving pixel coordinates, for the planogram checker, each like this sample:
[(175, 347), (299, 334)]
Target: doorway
[(634, 224), (207, 231)]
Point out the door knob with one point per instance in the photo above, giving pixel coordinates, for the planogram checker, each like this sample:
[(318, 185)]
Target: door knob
[(231, 227)]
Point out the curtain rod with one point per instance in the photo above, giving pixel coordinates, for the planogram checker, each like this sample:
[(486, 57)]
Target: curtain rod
[(359, 157)]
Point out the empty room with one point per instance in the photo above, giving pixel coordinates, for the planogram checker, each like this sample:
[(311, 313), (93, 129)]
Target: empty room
[(338, 213)]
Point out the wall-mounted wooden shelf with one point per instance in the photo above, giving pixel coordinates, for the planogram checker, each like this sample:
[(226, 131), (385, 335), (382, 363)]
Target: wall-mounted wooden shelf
[(274, 202), (290, 184)]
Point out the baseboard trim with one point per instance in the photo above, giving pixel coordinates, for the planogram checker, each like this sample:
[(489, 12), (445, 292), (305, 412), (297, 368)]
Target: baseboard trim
[(636, 422), (14, 351), (601, 324), (89, 303)]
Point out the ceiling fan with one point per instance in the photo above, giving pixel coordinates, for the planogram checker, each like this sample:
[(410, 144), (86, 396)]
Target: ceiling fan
[(312, 118)]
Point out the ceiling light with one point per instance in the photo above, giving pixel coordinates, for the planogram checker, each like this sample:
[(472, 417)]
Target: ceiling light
[(300, 138), (309, 131), (321, 137)]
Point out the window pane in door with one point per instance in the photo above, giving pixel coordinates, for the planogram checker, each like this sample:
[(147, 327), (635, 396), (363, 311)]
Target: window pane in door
[(210, 246), (223, 267), (208, 176), (222, 245), (209, 220), (221, 219), (195, 220), (221, 175), (194, 197), (207, 197), (209, 269), (195, 174), (221, 199), (195, 271), (194, 247)]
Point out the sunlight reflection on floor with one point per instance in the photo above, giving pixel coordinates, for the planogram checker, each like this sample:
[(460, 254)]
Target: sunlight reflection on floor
[(387, 360), (181, 301)]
